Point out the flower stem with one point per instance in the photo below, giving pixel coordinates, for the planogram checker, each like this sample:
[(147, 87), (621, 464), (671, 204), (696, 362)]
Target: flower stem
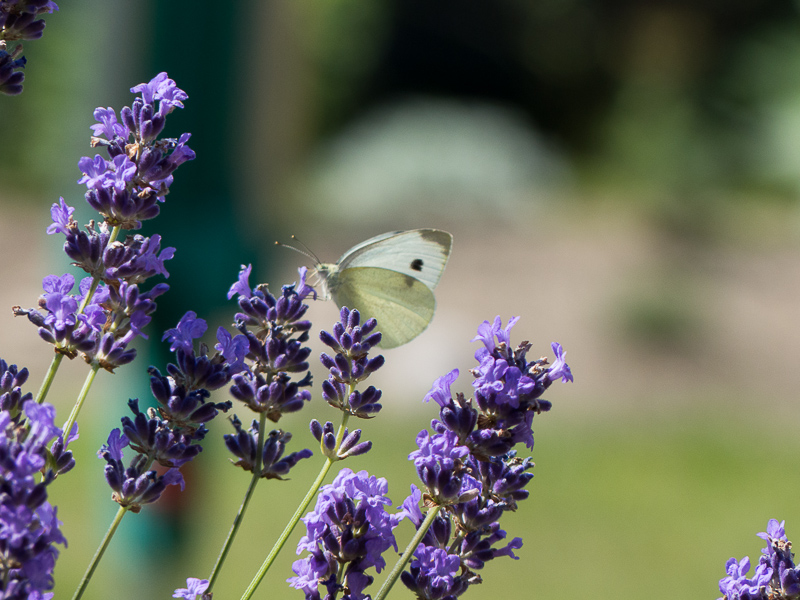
[(237, 521), (79, 402), (312, 492), (409, 551), (48, 378), (99, 554)]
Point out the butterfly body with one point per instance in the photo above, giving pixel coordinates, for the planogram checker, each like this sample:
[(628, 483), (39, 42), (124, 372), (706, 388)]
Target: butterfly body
[(391, 277)]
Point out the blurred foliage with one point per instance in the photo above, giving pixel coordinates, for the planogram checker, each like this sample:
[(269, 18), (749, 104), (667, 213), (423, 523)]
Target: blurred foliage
[(342, 39), (664, 320), (666, 95)]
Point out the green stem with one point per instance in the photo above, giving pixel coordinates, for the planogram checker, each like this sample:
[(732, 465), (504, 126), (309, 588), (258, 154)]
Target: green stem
[(99, 554), (114, 234), (237, 521), (49, 377), (79, 402), (312, 492), (409, 551)]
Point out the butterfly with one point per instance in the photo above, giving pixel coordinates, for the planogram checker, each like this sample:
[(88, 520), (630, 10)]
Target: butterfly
[(390, 277)]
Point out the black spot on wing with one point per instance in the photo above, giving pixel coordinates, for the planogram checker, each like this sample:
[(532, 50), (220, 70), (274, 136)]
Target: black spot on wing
[(416, 264)]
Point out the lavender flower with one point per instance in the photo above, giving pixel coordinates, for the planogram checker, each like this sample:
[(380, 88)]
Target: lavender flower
[(133, 486), (183, 392), (350, 446), (170, 434), (272, 368), (273, 464), (776, 577), (58, 318), (351, 364), (29, 529), (18, 22), (439, 465), (125, 190), (468, 466), (347, 533), (102, 331), (128, 188), (275, 356)]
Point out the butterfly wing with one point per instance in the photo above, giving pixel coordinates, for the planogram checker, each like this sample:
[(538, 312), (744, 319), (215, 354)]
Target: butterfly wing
[(402, 304), (418, 253)]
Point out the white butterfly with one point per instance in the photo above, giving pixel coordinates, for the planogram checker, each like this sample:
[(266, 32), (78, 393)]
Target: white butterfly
[(390, 277)]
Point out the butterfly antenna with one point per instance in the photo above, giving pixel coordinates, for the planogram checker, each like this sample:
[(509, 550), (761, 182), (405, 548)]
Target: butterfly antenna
[(305, 251)]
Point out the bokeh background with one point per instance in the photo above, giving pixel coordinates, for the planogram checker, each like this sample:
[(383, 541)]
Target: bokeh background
[(622, 174)]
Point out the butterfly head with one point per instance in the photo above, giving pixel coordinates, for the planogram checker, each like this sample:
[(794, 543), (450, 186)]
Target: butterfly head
[(325, 276)]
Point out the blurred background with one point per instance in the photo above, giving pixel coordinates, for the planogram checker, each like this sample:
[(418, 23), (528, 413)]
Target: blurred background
[(622, 174)]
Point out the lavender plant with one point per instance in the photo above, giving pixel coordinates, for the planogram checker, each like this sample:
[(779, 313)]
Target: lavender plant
[(468, 465), (109, 309)]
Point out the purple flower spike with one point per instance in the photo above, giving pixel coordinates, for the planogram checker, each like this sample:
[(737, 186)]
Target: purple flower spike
[(274, 465), (468, 465), (127, 188), (133, 487), (272, 364), (351, 365), (349, 527)]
